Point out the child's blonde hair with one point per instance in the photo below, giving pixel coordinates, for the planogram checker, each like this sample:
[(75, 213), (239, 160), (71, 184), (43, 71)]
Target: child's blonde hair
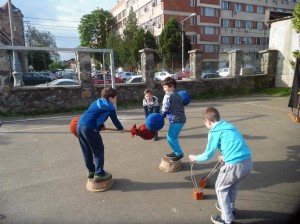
[(211, 114)]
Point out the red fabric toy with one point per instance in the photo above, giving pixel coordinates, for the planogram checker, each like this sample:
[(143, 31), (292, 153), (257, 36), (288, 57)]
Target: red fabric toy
[(143, 132)]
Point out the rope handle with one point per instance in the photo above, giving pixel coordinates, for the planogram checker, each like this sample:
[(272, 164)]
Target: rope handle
[(215, 169), (114, 129)]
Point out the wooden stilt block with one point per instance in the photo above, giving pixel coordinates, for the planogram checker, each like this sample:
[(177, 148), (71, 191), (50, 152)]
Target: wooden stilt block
[(198, 194), (294, 117), (168, 166), (93, 186), (203, 183)]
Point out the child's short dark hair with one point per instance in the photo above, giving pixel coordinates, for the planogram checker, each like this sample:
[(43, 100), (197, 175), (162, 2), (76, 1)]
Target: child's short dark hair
[(211, 114), (169, 81), (148, 91), (108, 92)]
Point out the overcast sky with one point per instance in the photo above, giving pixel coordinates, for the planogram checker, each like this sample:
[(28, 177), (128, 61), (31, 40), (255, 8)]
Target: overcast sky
[(60, 17)]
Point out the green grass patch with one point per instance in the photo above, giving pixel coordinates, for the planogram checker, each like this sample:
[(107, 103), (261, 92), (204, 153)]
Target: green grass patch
[(279, 91)]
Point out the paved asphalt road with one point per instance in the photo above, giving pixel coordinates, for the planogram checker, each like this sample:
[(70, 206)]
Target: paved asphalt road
[(42, 174)]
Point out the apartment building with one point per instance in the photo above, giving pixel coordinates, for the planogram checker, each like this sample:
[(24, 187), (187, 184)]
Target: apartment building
[(218, 25)]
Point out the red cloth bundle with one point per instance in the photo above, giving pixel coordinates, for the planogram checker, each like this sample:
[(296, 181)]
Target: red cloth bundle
[(143, 132)]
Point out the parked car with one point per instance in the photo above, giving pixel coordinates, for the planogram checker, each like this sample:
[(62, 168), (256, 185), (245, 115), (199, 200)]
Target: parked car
[(125, 76), (99, 79), (64, 75), (49, 75), (136, 78), (182, 75), (224, 72), (207, 75), (61, 82), (160, 76), (34, 78)]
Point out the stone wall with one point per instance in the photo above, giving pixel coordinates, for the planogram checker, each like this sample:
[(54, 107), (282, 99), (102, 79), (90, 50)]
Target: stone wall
[(38, 99)]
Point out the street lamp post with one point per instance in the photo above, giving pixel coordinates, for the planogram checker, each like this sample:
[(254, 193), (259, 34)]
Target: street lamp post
[(17, 74), (182, 40)]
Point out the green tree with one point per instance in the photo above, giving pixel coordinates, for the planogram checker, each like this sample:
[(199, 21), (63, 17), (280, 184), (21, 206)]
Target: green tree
[(40, 60), (296, 25), (37, 38), (296, 19), (142, 40), (115, 42), (93, 31), (170, 42), (94, 27), (128, 57)]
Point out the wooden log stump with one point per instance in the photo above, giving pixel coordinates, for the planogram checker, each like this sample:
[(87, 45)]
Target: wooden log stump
[(94, 186), (168, 166), (294, 117)]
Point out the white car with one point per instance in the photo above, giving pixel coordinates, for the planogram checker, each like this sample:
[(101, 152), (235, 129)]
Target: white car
[(160, 76), (61, 82), (135, 79), (223, 72), (125, 76)]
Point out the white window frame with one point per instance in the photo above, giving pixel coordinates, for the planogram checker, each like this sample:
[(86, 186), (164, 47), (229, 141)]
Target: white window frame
[(237, 24), (225, 5), (209, 48), (225, 23), (260, 25), (249, 8), (209, 30), (192, 3), (260, 9), (209, 11), (237, 7), (236, 40), (225, 40)]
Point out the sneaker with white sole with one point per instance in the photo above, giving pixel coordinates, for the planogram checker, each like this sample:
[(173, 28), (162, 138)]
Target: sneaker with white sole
[(219, 208), (171, 155), (218, 220), (177, 158), (98, 178)]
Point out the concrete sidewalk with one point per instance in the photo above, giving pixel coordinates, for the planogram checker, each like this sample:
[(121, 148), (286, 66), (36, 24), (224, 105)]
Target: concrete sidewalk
[(42, 173)]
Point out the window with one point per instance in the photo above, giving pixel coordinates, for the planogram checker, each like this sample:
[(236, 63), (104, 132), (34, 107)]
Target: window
[(260, 26), (237, 23), (279, 10), (225, 5), (209, 11), (192, 39), (248, 24), (209, 48), (209, 30), (237, 40), (259, 41), (247, 40), (237, 7), (225, 22), (225, 40), (260, 9), (193, 20), (249, 8), (192, 2)]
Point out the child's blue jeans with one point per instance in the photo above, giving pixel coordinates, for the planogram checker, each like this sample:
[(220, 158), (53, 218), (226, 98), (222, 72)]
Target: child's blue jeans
[(172, 137), (92, 149)]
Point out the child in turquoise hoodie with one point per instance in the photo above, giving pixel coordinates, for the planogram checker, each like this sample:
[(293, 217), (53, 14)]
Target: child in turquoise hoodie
[(237, 158)]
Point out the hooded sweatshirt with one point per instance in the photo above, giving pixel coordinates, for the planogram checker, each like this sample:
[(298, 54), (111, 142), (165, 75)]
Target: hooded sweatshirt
[(98, 112), (229, 141)]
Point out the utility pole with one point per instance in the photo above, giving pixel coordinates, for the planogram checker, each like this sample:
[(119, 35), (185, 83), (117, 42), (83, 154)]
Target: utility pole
[(17, 74)]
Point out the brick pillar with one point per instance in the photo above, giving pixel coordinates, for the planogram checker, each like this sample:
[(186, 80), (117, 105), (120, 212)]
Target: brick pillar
[(196, 58), (147, 66), (83, 60), (235, 62)]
